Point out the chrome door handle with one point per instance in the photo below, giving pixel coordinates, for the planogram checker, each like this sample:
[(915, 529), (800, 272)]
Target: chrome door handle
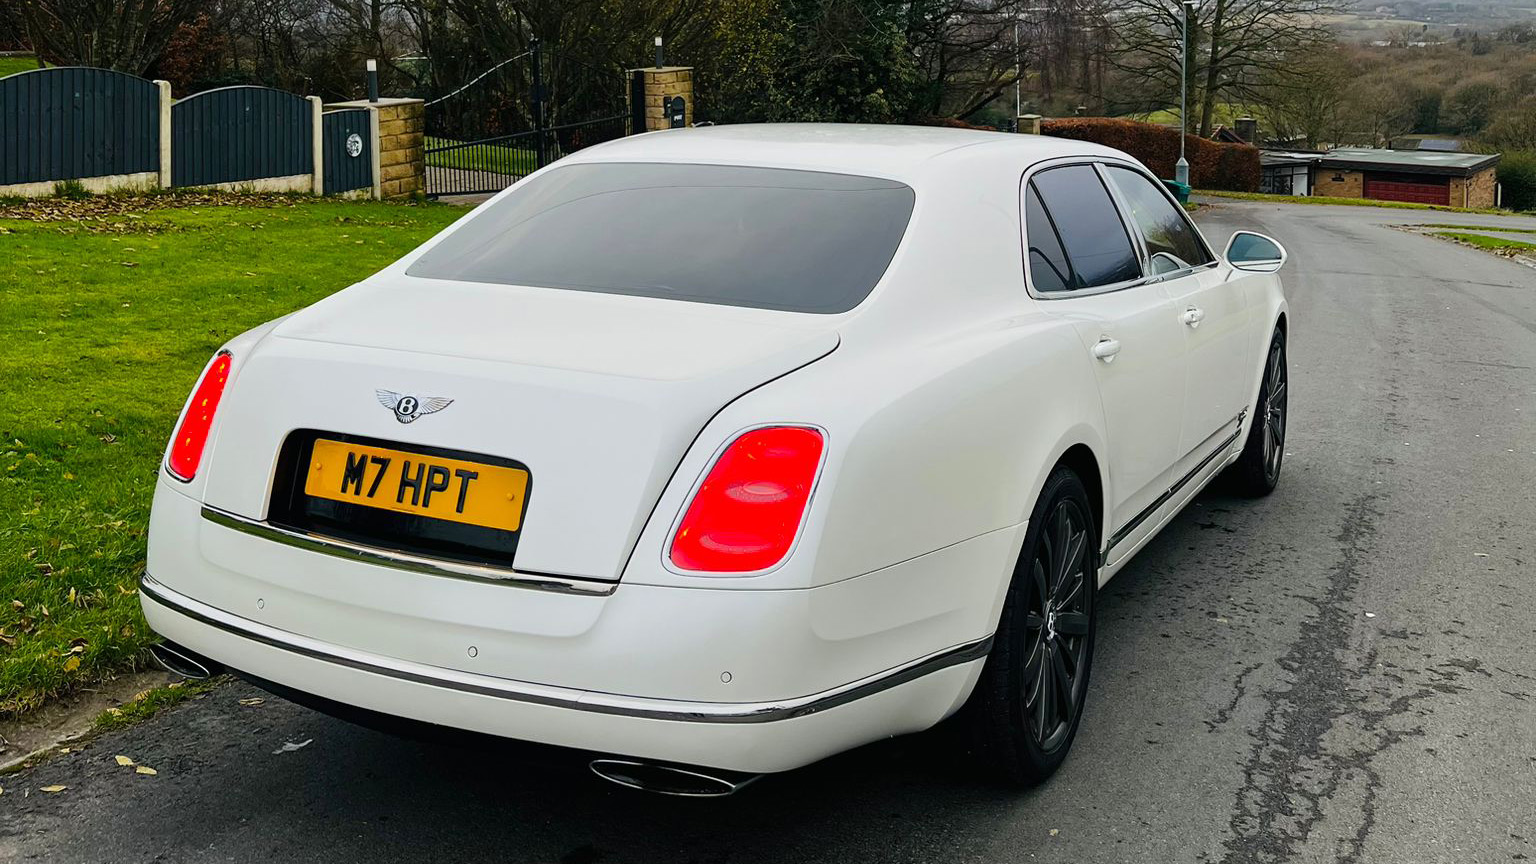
[(1106, 349), (1193, 316)]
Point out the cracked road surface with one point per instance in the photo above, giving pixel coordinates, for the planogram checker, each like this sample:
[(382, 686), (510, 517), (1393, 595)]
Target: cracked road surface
[(1345, 671)]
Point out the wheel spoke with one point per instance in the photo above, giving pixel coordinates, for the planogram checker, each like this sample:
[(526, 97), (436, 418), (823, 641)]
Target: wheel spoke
[(1045, 707), (1076, 547), (1042, 592), (1033, 667), (1061, 552), (1072, 623), (1063, 685), (1277, 395)]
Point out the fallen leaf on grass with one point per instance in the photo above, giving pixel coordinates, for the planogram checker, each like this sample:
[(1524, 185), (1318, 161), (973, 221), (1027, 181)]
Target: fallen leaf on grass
[(51, 789), (72, 663), (124, 761), (144, 769)]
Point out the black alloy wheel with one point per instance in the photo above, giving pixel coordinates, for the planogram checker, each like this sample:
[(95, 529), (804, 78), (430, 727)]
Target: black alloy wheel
[(1056, 623), (1026, 707), (1257, 471)]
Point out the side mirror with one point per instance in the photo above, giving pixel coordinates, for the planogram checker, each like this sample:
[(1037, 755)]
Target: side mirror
[(1255, 252)]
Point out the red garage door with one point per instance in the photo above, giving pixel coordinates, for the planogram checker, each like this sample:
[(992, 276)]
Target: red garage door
[(1421, 190)]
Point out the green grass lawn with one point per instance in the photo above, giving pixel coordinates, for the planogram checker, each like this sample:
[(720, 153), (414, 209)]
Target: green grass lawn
[(1225, 114), (1352, 202), (483, 157), (12, 65), (107, 313), (1492, 244)]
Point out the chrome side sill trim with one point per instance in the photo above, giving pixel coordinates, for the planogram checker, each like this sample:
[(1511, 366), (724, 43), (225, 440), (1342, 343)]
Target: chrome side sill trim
[(405, 561), (1221, 450), (561, 697)]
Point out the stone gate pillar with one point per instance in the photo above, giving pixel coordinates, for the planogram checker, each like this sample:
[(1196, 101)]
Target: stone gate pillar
[(649, 87), (401, 146)]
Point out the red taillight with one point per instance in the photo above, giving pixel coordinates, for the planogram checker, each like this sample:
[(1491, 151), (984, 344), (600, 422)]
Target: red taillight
[(192, 435), (746, 514)]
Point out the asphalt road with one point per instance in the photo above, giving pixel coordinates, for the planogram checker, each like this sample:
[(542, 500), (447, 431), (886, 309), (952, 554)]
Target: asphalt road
[(1345, 671)]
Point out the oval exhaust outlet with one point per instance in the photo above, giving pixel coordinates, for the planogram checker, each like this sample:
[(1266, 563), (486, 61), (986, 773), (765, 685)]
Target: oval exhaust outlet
[(669, 780), (179, 661)]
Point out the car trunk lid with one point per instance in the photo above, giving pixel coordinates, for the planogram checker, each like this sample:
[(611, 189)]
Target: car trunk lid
[(598, 396)]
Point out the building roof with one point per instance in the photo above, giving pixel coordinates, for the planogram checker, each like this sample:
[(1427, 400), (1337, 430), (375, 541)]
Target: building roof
[(1408, 161), (1289, 157)]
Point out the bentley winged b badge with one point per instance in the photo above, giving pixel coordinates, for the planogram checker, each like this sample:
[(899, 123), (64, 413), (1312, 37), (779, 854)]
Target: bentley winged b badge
[(407, 408)]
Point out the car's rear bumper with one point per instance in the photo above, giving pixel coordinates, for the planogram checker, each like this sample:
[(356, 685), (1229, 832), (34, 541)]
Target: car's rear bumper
[(754, 737)]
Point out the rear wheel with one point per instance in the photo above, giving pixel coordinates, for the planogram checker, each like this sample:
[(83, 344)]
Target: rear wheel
[(1026, 707), (1257, 471)]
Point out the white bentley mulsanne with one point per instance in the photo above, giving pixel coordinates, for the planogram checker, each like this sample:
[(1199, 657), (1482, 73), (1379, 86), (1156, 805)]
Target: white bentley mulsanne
[(713, 452)]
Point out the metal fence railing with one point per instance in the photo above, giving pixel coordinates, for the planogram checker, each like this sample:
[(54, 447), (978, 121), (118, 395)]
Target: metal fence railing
[(492, 164)]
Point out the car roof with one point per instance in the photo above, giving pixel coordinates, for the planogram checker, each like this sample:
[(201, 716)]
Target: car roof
[(906, 153)]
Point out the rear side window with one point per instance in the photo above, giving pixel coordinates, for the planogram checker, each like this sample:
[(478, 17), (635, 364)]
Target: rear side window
[(769, 238), (1047, 261), (1171, 241), (1075, 209)]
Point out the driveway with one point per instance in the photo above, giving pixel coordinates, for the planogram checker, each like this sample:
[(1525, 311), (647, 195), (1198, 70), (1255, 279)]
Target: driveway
[(1345, 671)]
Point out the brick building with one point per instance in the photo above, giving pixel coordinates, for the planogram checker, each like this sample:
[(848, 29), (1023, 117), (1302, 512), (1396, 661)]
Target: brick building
[(1423, 176)]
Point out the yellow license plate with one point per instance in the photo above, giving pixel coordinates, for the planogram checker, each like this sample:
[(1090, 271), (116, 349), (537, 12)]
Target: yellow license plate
[(451, 489)]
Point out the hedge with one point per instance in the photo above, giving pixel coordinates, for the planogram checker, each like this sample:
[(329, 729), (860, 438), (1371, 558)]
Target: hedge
[(1517, 174), (1233, 167)]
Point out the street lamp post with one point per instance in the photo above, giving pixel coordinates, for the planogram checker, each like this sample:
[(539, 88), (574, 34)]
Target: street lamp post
[(1181, 168)]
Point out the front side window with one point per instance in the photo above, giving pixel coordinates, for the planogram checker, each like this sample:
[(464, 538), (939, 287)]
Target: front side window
[(1171, 241), (768, 238), (1069, 213)]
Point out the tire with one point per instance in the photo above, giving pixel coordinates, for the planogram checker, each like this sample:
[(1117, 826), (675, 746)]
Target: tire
[(1021, 728), (1257, 471)]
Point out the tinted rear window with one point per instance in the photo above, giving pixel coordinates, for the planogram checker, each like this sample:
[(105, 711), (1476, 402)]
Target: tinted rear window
[(1089, 226), (768, 238)]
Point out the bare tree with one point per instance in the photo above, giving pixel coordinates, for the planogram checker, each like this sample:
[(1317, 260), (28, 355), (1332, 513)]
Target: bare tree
[(1308, 103), (1234, 45), (127, 35)]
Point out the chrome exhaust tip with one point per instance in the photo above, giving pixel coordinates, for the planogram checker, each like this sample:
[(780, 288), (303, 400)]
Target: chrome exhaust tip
[(669, 780), (180, 661)]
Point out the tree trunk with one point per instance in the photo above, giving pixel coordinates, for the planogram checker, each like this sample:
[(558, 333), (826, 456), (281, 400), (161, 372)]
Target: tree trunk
[(1212, 70)]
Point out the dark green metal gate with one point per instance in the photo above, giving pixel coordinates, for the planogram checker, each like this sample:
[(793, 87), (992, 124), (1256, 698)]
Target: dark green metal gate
[(346, 145)]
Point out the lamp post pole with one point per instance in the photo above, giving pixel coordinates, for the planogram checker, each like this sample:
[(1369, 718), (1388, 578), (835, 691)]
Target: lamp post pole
[(1181, 168)]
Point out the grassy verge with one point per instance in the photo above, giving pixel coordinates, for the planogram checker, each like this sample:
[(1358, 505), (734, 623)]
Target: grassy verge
[(1476, 227), (1348, 202), (483, 157), (1492, 244), (109, 307)]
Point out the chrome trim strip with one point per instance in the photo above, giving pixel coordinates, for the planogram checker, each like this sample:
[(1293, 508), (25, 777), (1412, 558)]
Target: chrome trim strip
[(406, 561), (561, 697), (1173, 490)]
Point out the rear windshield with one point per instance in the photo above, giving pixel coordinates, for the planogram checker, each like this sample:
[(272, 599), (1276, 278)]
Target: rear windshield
[(769, 238)]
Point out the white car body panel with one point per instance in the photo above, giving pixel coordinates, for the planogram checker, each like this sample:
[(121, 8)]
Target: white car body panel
[(945, 399)]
